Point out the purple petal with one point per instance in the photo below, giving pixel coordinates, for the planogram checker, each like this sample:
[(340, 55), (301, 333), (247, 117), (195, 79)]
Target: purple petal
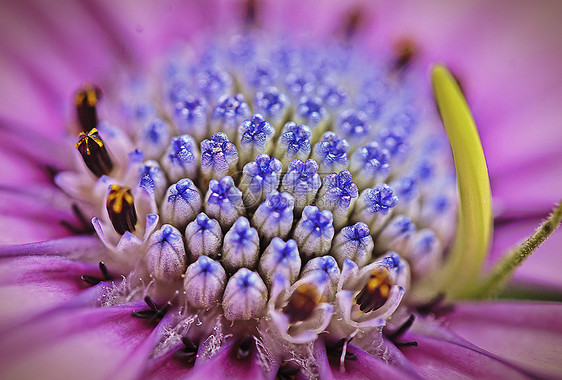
[(225, 365), (30, 285), (77, 343), (526, 334), (437, 359), (82, 247), (366, 366)]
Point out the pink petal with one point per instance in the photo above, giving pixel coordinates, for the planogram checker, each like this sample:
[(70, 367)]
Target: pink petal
[(30, 285), (366, 366), (437, 359), (78, 343), (225, 365), (527, 334)]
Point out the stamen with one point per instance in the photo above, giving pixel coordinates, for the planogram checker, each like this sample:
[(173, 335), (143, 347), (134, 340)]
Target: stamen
[(400, 331), (302, 303), (288, 370), (294, 143), (354, 243), (336, 350), (85, 101), (94, 280), (338, 194), (121, 209), (245, 347), (154, 313), (188, 353), (375, 293), (93, 151), (259, 178)]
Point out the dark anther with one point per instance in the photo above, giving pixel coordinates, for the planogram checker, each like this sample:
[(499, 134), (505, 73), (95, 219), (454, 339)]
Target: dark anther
[(84, 226), (302, 303), (404, 52), (435, 306), (400, 331), (95, 280), (250, 12), (86, 101), (154, 313), (245, 347), (121, 208), (188, 353), (375, 293), (335, 349), (288, 370), (353, 22), (93, 152)]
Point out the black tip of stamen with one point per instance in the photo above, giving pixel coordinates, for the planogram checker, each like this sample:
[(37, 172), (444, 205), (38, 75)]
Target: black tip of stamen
[(86, 101), (435, 306), (250, 9), (188, 353), (403, 328), (288, 370), (94, 153), (404, 53), (245, 347), (90, 279), (155, 313), (412, 343), (353, 23), (95, 280), (335, 350)]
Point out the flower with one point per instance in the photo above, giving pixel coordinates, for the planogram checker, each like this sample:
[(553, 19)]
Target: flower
[(324, 298)]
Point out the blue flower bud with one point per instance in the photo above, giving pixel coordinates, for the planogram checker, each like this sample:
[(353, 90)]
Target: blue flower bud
[(259, 178), (181, 159), (203, 237), (331, 153), (280, 257), (302, 181), (354, 243), (154, 137), (274, 217), (254, 137), (294, 143), (374, 206), (204, 283), (219, 157), (245, 296), (165, 254), (224, 201), (228, 114), (241, 246), (190, 114), (314, 232), (181, 204), (338, 194), (370, 165)]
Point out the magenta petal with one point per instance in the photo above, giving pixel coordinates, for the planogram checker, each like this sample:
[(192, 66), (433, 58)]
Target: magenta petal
[(80, 247), (526, 334), (225, 365), (76, 343), (437, 359), (542, 269), (167, 367), (366, 366), (29, 285)]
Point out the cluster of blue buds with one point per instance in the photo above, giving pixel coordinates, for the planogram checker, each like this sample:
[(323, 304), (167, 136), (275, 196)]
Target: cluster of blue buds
[(273, 188)]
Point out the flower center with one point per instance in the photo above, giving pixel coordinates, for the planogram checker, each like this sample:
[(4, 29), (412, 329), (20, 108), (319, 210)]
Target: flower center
[(263, 183)]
